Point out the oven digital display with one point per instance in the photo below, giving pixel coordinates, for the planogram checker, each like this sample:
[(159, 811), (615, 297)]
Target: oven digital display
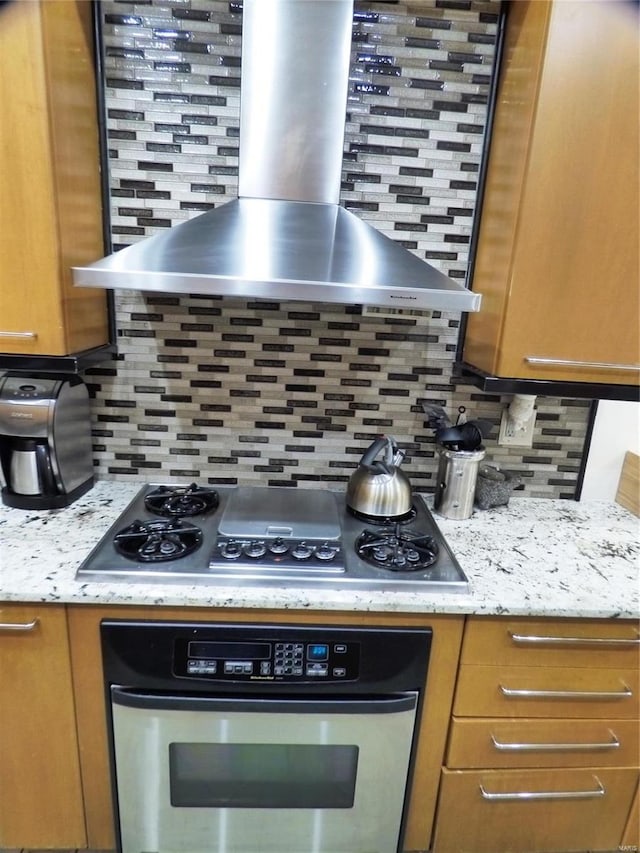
[(230, 651), (318, 651)]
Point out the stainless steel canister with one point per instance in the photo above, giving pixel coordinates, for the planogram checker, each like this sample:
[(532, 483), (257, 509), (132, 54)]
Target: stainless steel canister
[(456, 483)]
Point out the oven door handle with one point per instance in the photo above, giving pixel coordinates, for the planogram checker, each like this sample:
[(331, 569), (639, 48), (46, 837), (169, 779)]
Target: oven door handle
[(391, 704)]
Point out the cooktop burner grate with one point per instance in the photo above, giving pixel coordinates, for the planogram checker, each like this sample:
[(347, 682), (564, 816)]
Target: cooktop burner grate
[(158, 541), (157, 545), (396, 549), (177, 502)]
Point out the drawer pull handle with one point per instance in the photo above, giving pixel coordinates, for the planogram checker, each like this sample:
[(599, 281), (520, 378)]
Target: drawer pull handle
[(522, 693), (529, 639), (614, 743), (565, 362), (19, 626), (544, 795), (17, 334)]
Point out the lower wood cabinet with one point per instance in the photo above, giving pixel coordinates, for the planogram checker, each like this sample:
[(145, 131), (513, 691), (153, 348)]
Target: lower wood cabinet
[(631, 836), (543, 752), (522, 774), (40, 793), (520, 811)]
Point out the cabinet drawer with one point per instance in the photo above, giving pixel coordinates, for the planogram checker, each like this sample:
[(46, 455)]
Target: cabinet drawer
[(503, 742), (558, 642), (521, 691), (485, 811)]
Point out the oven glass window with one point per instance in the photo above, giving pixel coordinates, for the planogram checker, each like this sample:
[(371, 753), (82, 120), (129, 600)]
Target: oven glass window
[(262, 775)]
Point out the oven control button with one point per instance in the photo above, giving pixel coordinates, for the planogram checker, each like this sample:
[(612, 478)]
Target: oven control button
[(340, 648), (255, 549), (339, 672), (326, 551), (265, 667), (278, 546), (316, 669), (302, 551), (201, 667), (231, 550)]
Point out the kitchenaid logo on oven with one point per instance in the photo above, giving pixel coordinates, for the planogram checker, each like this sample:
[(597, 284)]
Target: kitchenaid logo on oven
[(24, 415)]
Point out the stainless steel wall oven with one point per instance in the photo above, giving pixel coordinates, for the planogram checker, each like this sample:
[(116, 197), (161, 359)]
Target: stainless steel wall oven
[(247, 738)]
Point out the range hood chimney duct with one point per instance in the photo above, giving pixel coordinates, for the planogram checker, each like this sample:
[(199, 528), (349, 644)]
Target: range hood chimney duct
[(286, 237)]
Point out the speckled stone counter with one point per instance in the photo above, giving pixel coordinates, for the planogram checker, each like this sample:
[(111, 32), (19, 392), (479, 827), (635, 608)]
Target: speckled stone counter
[(534, 558)]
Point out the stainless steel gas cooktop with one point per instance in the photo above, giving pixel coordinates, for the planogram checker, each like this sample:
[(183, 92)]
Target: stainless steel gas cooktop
[(270, 536)]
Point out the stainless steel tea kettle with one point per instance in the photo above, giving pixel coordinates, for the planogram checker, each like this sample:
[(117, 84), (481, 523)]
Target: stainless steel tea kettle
[(378, 488)]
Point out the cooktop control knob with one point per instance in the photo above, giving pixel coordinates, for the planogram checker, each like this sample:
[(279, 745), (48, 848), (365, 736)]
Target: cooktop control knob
[(302, 551), (326, 551), (278, 546), (255, 549), (231, 550)]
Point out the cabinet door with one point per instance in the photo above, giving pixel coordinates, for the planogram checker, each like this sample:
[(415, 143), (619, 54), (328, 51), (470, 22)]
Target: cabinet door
[(535, 811), (40, 792), (557, 259), (50, 205)]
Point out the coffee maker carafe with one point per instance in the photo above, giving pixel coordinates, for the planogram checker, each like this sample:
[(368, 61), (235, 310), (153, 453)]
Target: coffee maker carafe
[(45, 440)]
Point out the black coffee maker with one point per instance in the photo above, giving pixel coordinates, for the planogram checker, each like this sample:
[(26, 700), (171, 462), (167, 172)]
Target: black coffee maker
[(45, 440)]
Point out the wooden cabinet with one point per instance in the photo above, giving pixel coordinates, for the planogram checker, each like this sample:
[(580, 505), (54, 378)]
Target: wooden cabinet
[(543, 747), (557, 253), (494, 811), (40, 792), (631, 836), (50, 204), (84, 629)]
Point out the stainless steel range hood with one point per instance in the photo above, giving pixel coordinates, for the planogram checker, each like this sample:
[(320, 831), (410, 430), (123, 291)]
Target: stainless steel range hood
[(286, 237)]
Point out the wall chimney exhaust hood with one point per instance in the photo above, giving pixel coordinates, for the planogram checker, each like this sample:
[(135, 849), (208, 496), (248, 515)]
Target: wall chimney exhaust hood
[(286, 237)]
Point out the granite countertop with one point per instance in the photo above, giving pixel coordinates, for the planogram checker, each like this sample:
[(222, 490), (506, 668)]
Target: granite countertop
[(535, 557)]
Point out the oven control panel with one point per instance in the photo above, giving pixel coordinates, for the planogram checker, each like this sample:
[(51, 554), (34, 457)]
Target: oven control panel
[(287, 661)]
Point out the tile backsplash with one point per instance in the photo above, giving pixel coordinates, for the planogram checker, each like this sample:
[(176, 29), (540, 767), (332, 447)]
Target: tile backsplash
[(251, 391)]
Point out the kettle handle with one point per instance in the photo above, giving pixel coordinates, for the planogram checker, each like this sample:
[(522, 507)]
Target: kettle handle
[(371, 453)]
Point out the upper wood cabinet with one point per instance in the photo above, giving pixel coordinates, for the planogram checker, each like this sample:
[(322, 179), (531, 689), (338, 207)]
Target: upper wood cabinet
[(50, 204), (40, 791), (557, 252)]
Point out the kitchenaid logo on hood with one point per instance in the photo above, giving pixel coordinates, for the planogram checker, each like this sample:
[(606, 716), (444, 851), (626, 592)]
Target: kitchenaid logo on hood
[(400, 296)]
